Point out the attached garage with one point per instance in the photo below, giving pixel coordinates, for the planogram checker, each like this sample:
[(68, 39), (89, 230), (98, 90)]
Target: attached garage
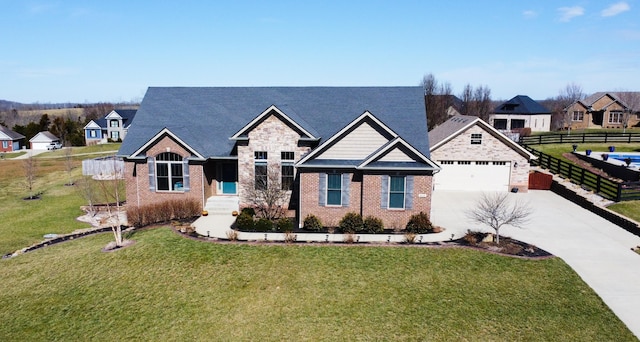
[(473, 176), (476, 157)]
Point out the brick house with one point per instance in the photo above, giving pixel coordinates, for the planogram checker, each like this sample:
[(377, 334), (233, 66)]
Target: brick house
[(334, 149), (9, 140), (475, 156), (604, 110)]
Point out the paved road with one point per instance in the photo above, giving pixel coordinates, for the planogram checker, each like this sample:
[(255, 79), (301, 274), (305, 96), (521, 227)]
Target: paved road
[(599, 251)]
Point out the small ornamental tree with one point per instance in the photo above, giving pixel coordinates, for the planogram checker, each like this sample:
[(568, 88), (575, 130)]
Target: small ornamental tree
[(495, 210)]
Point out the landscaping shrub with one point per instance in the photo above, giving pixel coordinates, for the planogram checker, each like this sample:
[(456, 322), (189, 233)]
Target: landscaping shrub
[(248, 210), (410, 238), (311, 222), (419, 224), (473, 237), (373, 225), (349, 238), (290, 237), (284, 225), (244, 222), (232, 235), (140, 216), (263, 225), (351, 223)]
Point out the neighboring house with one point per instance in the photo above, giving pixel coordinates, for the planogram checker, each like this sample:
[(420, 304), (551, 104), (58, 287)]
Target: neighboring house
[(604, 110), (9, 140), (113, 126), (335, 149), (520, 112), (42, 140), (477, 157)]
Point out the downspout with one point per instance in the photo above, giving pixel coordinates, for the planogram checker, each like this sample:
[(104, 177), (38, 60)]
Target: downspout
[(361, 195), (202, 185)]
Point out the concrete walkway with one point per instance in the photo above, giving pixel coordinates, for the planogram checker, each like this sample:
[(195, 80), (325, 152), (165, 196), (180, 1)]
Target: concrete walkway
[(599, 251)]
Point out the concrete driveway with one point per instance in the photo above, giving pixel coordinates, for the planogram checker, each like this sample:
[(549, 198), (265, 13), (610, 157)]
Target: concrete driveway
[(599, 251)]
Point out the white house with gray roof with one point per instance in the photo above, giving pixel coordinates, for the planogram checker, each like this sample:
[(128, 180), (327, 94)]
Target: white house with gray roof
[(335, 149)]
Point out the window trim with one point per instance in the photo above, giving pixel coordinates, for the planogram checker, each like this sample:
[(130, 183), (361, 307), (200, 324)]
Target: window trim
[(578, 115), (338, 190), (395, 192), (476, 138), (286, 161), (617, 114)]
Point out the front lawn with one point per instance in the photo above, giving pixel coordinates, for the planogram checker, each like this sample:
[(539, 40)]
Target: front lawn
[(166, 287)]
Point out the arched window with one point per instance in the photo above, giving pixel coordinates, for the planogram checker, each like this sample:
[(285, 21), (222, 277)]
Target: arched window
[(171, 172)]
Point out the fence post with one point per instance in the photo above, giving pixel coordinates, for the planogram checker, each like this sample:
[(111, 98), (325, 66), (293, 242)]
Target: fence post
[(619, 193)]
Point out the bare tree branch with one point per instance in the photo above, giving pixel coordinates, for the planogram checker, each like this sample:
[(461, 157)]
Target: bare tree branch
[(495, 210)]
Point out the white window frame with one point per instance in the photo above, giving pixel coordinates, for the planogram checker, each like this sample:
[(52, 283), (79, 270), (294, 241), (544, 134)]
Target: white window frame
[(404, 193)]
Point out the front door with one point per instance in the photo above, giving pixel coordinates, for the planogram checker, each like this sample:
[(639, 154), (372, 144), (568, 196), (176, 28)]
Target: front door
[(229, 179)]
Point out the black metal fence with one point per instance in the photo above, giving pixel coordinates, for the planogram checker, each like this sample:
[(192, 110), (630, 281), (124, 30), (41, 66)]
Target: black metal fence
[(564, 138), (607, 188)]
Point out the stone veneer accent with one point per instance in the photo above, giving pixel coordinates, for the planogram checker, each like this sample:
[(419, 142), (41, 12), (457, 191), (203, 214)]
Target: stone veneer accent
[(137, 187), (273, 136), (491, 149), (370, 187)]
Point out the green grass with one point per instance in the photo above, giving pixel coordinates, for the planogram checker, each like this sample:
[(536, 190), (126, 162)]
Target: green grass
[(23, 222), (82, 150), (630, 209), (166, 287), (11, 155)]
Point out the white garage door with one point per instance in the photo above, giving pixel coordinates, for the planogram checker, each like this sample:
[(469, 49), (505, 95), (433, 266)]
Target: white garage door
[(473, 176)]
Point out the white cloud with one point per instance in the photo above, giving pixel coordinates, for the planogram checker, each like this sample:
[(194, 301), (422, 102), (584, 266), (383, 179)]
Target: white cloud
[(528, 14), (615, 9), (568, 13)]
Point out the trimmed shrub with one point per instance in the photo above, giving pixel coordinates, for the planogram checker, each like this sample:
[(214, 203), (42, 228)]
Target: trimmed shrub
[(284, 225), (263, 225), (419, 224), (248, 210), (244, 222), (373, 225), (351, 223), (311, 222)]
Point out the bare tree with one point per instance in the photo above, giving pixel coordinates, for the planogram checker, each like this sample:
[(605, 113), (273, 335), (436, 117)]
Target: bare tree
[(570, 94), (266, 193), (86, 187), (476, 101), (438, 98), (110, 189), (631, 100), (495, 210), (30, 167), (68, 163)]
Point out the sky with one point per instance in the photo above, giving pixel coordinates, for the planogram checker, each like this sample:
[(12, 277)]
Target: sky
[(112, 51)]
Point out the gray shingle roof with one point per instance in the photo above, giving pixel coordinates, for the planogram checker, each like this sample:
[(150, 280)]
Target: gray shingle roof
[(521, 104), (205, 118), (449, 127), (11, 134), (617, 95)]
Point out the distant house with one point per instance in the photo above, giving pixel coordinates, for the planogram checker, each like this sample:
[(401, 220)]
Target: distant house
[(477, 157), (42, 140), (520, 112), (604, 110), (10, 140), (334, 150), (113, 127)]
